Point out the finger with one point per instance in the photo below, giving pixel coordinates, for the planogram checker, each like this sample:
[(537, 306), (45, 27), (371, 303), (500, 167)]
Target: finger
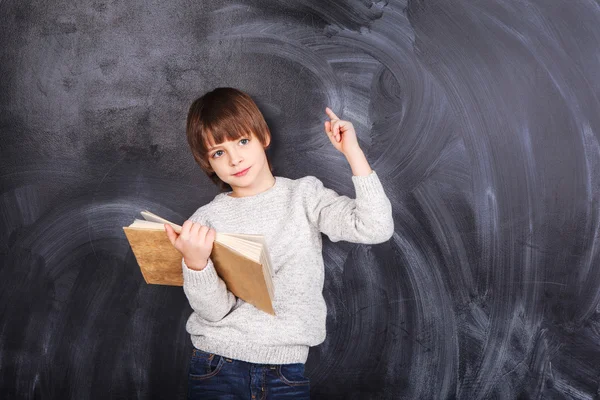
[(330, 133), (202, 233), (195, 231), (185, 229), (171, 234), (335, 129), (342, 128), (330, 113), (327, 127), (210, 236)]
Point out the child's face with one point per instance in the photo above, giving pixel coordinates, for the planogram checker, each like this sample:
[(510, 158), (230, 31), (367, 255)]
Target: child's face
[(245, 154)]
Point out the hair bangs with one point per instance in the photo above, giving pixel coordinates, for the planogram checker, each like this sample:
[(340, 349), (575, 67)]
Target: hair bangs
[(226, 130)]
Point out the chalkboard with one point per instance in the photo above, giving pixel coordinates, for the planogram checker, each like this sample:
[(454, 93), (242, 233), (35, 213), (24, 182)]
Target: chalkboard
[(480, 117)]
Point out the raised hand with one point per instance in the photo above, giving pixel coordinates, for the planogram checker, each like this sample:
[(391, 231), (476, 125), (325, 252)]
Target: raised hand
[(341, 133)]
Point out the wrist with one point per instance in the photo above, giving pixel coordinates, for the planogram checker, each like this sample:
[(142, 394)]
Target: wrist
[(358, 162), (196, 265), (353, 153)]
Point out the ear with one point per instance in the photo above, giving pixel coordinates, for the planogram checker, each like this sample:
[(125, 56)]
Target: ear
[(268, 141)]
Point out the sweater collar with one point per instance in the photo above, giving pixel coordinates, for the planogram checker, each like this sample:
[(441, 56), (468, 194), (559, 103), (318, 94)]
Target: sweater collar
[(226, 196)]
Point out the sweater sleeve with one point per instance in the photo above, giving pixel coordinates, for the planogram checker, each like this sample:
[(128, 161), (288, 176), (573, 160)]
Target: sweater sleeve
[(206, 292), (366, 219)]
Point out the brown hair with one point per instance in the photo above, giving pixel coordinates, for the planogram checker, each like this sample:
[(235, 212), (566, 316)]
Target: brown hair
[(220, 115)]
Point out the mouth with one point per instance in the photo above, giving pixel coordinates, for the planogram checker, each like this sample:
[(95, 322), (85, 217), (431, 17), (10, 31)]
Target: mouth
[(242, 173)]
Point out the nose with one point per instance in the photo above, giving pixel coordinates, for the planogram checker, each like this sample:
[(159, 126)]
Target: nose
[(236, 158)]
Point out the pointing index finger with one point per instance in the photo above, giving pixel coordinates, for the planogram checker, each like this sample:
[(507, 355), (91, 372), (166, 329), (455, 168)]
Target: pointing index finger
[(330, 113)]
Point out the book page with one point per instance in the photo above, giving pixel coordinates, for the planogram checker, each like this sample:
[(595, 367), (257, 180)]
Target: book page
[(252, 257), (266, 260), (245, 236), (148, 216), (267, 274), (242, 247), (141, 224)]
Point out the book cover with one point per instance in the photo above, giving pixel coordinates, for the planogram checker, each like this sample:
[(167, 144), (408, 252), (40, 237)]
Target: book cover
[(242, 261)]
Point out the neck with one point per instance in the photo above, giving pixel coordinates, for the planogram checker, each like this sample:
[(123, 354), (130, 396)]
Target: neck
[(263, 182)]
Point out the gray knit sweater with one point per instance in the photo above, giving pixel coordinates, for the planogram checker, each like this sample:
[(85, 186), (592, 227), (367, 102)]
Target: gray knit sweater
[(291, 214)]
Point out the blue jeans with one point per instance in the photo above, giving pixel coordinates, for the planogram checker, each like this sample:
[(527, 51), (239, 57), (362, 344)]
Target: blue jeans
[(215, 377)]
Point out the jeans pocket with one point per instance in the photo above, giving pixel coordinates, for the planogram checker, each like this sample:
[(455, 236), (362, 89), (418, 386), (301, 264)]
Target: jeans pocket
[(292, 374), (204, 365)]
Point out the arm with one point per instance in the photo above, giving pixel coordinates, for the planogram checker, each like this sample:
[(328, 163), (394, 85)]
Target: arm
[(366, 219), (206, 292), (358, 162)]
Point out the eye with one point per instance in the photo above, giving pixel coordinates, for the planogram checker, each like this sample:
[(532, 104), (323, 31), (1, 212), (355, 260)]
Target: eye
[(217, 154), (244, 141)]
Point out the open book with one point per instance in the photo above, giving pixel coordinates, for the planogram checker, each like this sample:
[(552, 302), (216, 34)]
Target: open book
[(242, 261)]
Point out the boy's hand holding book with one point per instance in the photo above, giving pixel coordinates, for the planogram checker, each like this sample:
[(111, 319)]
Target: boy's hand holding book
[(194, 242), (242, 261)]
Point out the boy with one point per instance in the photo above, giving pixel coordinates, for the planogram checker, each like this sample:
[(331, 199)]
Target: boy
[(238, 349)]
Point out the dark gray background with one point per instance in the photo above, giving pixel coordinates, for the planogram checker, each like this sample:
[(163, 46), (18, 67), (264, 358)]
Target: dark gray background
[(481, 118)]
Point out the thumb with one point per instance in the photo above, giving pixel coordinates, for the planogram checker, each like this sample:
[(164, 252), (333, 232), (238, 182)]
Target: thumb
[(171, 233)]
